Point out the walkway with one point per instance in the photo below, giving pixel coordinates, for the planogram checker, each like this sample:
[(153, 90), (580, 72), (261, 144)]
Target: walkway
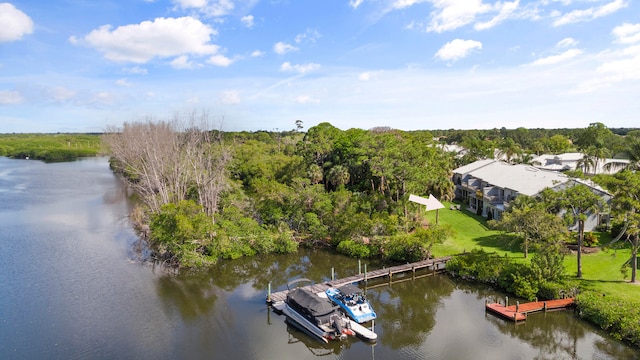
[(519, 312), (434, 265)]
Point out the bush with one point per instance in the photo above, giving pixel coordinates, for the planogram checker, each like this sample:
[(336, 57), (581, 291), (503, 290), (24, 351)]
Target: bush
[(477, 265), (619, 317), (355, 249), (590, 239)]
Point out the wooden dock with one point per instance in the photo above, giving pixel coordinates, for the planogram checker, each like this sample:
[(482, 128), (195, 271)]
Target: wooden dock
[(519, 312), (433, 265)]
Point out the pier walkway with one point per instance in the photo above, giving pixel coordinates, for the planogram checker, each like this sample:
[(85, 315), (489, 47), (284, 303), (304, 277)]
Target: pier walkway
[(519, 312), (433, 265)]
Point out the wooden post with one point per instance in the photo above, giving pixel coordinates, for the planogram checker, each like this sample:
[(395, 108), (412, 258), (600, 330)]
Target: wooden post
[(413, 268), (365, 273), (359, 267), (269, 292), (545, 306), (333, 274), (517, 305), (506, 301)]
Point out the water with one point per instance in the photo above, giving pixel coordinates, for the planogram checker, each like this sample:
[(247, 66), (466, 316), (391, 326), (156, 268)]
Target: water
[(72, 286)]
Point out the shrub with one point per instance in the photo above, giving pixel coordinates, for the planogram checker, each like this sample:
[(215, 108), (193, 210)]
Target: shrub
[(590, 239), (354, 249), (618, 317), (478, 265)]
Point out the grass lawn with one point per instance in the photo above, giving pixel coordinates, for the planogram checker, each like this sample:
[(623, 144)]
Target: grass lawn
[(471, 232), (600, 271)]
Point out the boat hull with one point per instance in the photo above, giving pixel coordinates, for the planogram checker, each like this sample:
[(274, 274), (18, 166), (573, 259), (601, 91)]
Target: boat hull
[(354, 304)]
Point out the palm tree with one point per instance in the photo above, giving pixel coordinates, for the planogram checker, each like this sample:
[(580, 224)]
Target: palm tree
[(509, 149)]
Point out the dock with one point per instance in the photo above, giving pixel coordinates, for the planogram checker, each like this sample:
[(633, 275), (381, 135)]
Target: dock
[(432, 266), (519, 311)]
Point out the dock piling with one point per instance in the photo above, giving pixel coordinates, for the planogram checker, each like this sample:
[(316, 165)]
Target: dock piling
[(269, 292)]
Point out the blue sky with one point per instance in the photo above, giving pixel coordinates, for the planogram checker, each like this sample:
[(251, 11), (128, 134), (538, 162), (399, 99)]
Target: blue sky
[(83, 65)]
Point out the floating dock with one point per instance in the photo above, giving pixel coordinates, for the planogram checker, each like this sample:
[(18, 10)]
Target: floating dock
[(519, 311), (434, 265)]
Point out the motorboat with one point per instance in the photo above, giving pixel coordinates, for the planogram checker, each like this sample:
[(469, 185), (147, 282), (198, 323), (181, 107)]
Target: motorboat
[(315, 315), (353, 302)]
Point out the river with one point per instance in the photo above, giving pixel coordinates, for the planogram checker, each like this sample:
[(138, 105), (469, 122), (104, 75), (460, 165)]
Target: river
[(74, 286)]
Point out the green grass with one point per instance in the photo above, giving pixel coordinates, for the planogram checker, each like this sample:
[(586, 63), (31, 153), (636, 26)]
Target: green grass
[(50, 147), (600, 271), (471, 232)]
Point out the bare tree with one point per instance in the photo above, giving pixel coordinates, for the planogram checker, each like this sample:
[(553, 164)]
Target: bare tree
[(162, 160)]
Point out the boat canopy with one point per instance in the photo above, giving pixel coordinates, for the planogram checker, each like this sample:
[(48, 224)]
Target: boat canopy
[(349, 289), (306, 301)]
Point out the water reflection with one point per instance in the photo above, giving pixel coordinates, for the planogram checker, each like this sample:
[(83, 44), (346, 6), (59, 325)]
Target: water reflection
[(73, 288)]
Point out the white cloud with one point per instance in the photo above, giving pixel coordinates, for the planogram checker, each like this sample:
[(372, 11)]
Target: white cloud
[(457, 49), (187, 4), (401, 4), (103, 97), (247, 21), (627, 33), (283, 48), (301, 69), (567, 42), (311, 35), (15, 23), (123, 82), (213, 8), (617, 66), (8, 97), (220, 60), (257, 53), (182, 62), (365, 76), (306, 99), (452, 14), (230, 97), (61, 93), (355, 3), (135, 70), (590, 13), (162, 37), (554, 59), (505, 11)]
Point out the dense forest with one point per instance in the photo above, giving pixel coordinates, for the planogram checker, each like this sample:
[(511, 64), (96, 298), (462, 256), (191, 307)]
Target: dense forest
[(209, 195)]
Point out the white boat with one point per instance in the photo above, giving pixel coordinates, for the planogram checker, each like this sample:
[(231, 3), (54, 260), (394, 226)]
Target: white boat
[(353, 302), (315, 315)]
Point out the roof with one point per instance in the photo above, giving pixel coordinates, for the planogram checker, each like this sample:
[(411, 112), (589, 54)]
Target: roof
[(473, 166), (524, 179)]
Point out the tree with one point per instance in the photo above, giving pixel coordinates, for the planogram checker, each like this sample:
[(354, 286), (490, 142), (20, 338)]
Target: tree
[(625, 207), (557, 144), (528, 219), (162, 160), (509, 149), (577, 201)]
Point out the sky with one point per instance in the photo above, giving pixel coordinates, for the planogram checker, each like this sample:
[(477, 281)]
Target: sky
[(250, 65)]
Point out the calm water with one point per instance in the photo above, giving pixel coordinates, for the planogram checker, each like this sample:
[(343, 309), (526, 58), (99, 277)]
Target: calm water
[(72, 286)]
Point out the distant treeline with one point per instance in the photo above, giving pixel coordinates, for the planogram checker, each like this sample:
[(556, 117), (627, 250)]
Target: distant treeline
[(50, 147)]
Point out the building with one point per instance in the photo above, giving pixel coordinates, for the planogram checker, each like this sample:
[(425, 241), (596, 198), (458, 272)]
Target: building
[(488, 186), (574, 161)]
